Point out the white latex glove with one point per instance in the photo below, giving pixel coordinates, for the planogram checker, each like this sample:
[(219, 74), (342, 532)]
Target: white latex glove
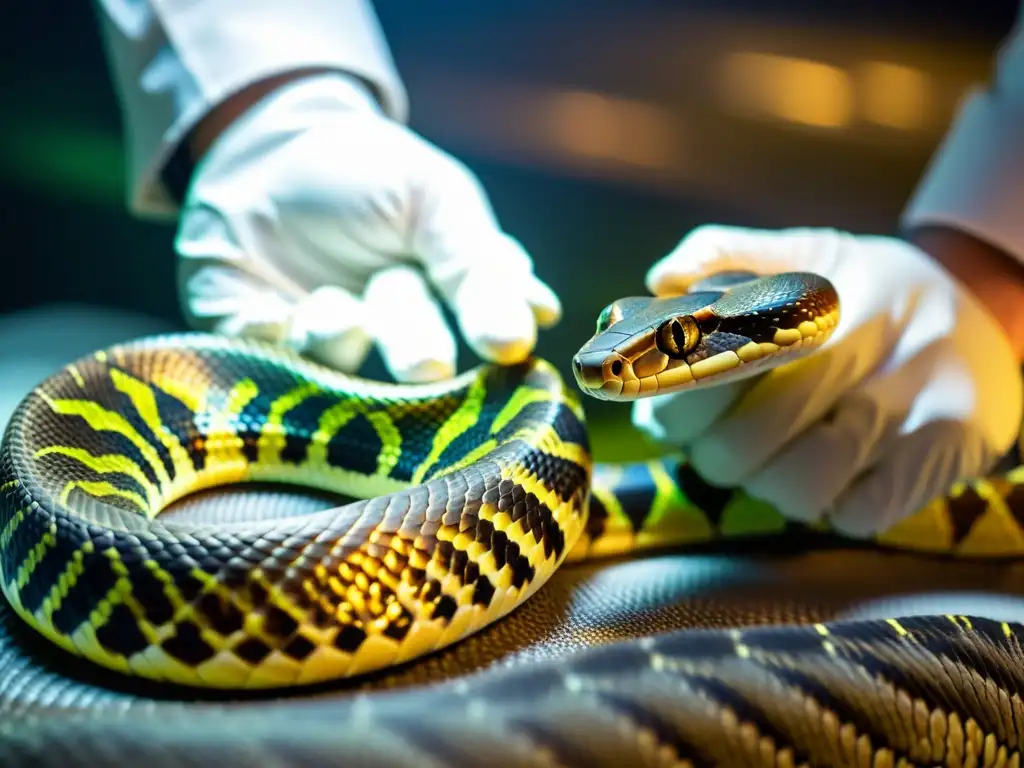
[(316, 221), (917, 388)]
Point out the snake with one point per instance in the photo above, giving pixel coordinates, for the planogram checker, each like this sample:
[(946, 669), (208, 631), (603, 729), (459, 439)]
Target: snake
[(466, 496)]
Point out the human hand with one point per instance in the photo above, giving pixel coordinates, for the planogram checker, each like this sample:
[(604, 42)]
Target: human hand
[(917, 388), (317, 222)]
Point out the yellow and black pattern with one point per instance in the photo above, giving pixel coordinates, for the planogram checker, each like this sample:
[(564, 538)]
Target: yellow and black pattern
[(470, 494), (664, 502)]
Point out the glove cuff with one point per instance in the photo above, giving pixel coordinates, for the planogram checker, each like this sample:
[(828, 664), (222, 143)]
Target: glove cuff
[(274, 120), (320, 88)]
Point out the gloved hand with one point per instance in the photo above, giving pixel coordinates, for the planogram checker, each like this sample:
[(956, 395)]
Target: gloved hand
[(316, 221), (917, 388)]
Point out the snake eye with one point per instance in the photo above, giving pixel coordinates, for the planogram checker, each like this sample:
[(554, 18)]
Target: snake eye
[(609, 316), (677, 337)]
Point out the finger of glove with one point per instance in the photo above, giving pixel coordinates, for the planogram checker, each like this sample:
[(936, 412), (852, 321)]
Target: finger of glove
[(453, 225), (485, 275), (496, 320), (408, 326), (922, 380), (546, 306), (712, 248), (500, 305), (805, 478), (781, 405), (329, 326), (913, 470), (505, 268), (942, 435), (499, 309), (345, 352)]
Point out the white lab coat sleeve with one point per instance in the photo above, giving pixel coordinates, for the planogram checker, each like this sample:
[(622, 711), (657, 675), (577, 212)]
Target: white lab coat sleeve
[(174, 60), (975, 181)]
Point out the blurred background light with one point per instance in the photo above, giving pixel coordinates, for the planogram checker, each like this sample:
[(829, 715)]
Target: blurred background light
[(893, 95), (603, 127), (795, 90)]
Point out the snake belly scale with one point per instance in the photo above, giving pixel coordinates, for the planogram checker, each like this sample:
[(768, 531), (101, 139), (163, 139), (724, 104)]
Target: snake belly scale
[(469, 495)]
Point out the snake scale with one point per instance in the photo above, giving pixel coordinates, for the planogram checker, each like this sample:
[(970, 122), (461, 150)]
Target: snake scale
[(468, 496)]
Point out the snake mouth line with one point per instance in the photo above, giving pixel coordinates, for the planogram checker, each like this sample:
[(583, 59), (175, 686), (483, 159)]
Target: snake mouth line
[(729, 365)]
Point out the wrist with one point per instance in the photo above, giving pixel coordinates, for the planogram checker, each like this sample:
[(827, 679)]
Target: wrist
[(993, 276), (340, 88), (227, 112)]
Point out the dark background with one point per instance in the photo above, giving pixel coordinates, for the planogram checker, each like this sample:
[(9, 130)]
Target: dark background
[(579, 178)]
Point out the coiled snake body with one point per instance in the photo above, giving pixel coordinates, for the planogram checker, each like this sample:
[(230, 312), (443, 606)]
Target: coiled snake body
[(470, 494)]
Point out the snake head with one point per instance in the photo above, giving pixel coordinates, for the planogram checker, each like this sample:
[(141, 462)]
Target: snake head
[(724, 329)]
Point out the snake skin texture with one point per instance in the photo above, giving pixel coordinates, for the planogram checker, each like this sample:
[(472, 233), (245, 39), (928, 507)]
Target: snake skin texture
[(400, 628), (470, 719)]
